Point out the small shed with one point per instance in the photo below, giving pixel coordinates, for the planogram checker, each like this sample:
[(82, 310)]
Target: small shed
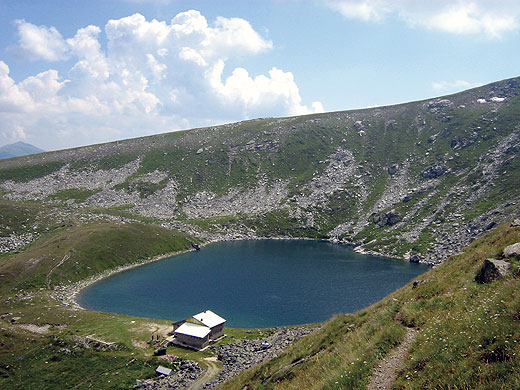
[(163, 371)]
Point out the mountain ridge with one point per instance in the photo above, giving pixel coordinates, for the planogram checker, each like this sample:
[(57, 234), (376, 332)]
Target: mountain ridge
[(396, 180), (514, 83)]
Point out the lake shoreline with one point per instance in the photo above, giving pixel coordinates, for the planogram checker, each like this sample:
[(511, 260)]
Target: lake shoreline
[(68, 294), (267, 273)]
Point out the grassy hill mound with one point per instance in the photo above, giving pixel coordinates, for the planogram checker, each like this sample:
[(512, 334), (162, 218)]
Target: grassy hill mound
[(73, 251)]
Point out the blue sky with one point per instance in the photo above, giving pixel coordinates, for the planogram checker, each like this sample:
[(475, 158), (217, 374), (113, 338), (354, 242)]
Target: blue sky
[(81, 72)]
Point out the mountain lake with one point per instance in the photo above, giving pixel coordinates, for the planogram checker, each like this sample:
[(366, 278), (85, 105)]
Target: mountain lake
[(253, 283)]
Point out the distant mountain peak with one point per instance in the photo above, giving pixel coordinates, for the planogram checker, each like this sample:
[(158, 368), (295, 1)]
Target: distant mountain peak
[(17, 149)]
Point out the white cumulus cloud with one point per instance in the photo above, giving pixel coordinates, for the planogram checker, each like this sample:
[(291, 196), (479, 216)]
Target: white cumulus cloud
[(43, 87), (492, 18), (40, 42), (13, 98), (277, 94), (152, 76)]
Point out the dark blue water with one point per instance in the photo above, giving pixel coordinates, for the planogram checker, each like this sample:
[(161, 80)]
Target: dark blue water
[(254, 283)]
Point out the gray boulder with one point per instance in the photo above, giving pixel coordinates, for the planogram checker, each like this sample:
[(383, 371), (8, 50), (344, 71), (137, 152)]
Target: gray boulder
[(387, 219), (490, 225), (492, 270), (415, 259), (434, 171), (512, 250), (392, 170)]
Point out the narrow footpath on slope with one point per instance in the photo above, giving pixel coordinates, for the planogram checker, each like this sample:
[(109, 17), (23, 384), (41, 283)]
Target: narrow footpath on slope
[(386, 372), (210, 373)]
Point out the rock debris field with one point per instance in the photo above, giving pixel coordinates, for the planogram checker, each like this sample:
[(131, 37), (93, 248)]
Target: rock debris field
[(235, 357)]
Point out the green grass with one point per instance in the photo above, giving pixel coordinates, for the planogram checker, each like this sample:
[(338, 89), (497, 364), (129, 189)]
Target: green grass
[(125, 211), (216, 223), (280, 224), (55, 360), (28, 217), (144, 188), (87, 250), (30, 172), (78, 195), (17, 218), (105, 163)]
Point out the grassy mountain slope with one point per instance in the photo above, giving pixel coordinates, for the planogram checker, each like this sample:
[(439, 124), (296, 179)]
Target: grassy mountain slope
[(468, 333), (74, 251), (422, 178), (47, 347)]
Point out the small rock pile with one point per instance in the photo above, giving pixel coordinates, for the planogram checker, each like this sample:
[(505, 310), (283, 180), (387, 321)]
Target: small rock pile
[(16, 241)]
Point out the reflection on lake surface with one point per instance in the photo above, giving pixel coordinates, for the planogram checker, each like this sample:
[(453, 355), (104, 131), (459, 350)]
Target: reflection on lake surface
[(258, 283)]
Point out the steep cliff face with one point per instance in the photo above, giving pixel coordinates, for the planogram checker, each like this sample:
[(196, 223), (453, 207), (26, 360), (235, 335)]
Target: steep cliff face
[(420, 179)]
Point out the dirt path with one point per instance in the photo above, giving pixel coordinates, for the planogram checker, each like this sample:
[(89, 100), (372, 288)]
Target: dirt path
[(49, 274), (386, 372), (211, 372)]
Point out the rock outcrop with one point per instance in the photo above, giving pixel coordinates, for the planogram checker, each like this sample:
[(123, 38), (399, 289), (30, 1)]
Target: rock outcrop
[(512, 250), (492, 270), (387, 219)]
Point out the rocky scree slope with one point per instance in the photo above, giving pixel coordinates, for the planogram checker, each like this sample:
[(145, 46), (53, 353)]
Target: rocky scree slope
[(418, 180)]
